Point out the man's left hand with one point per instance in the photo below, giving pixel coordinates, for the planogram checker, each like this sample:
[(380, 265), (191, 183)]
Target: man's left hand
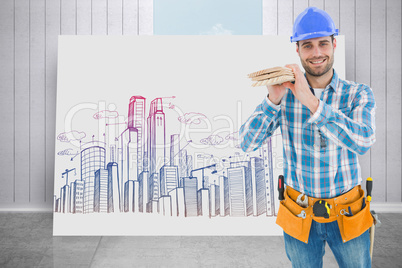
[(301, 89)]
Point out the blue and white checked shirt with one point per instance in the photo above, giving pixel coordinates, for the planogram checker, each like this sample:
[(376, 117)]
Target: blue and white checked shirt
[(319, 150)]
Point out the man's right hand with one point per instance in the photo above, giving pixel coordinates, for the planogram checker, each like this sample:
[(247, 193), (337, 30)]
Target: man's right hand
[(276, 93)]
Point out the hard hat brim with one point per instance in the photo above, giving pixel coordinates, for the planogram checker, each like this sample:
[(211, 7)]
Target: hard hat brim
[(312, 35)]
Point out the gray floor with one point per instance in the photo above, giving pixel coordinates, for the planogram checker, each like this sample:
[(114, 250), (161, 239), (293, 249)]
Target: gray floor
[(26, 241)]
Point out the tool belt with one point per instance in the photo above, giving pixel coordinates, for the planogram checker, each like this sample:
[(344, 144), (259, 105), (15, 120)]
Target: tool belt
[(353, 217)]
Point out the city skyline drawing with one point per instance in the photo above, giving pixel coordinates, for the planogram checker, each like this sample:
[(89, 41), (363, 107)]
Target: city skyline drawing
[(144, 170)]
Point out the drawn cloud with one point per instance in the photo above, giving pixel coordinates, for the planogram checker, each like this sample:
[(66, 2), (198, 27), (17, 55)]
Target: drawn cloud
[(66, 152), (106, 114), (191, 118), (71, 136), (233, 136), (212, 140)]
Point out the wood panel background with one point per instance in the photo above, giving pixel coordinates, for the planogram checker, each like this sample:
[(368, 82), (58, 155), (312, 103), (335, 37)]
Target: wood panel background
[(29, 30), (28, 56)]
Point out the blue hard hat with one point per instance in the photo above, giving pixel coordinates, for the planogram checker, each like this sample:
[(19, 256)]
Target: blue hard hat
[(313, 22)]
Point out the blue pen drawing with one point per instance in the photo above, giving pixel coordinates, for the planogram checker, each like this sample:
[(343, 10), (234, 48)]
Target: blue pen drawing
[(233, 136), (191, 118), (212, 140), (67, 152), (143, 169), (70, 136)]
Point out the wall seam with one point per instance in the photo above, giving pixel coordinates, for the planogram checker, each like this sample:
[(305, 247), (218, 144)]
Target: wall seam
[(14, 184), (29, 97), (45, 103), (370, 81), (355, 20), (386, 100)]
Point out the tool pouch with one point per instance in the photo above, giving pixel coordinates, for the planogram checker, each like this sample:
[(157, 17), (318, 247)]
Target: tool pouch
[(291, 224), (353, 226)]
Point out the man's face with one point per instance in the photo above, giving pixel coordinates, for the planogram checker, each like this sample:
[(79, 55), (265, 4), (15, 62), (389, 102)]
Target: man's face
[(317, 55)]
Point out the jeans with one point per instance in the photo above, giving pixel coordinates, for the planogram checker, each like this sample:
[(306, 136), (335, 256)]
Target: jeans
[(354, 253)]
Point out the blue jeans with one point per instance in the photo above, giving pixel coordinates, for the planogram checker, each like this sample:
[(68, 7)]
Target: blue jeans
[(354, 253)]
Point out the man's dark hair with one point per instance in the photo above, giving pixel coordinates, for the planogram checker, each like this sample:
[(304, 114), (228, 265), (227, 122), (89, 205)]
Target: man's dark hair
[(332, 40)]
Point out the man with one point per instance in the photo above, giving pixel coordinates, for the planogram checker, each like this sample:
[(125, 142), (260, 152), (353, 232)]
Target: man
[(325, 123)]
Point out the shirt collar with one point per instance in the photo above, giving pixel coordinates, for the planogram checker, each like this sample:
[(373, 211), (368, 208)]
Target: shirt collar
[(333, 84)]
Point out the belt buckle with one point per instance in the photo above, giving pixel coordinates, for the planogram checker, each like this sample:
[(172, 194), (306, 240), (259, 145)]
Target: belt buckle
[(321, 208)]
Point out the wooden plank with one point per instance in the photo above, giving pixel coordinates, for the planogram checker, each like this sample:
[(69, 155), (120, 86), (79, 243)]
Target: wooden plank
[(7, 152), (316, 3), (393, 94), (115, 17), (99, 17), (68, 17), (378, 84), (146, 18), (130, 17), (269, 17), (332, 7), (37, 103), (285, 20), (52, 32), (362, 70), (22, 106), (346, 27), (84, 17)]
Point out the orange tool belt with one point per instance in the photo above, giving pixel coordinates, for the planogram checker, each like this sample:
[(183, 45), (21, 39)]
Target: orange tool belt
[(296, 220)]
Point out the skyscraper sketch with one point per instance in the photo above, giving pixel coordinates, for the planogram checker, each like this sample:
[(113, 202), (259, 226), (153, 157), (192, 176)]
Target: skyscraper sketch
[(77, 196), (190, 196), (143, 194), (165, 205), (129, 198), (214, 200), (136, 119), (203, 202), (224, 203), (258, 186), (239, 177), (64, 198), (92, 159), (169, 179), (113, 194), (156, 136), (178, 204), (266, 154), (101, 190), (174, 150)]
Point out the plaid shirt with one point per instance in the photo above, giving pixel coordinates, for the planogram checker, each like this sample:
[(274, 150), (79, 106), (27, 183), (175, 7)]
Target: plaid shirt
[(319, 150)]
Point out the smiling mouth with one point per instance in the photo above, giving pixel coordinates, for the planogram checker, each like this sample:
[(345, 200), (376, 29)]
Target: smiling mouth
[(317, 62)]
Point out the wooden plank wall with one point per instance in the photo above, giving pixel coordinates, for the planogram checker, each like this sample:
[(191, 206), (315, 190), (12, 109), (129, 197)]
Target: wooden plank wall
[(372, 30), (29, 30), (28, 53)]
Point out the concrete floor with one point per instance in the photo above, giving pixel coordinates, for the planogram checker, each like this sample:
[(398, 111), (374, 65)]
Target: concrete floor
[(26, 241)]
